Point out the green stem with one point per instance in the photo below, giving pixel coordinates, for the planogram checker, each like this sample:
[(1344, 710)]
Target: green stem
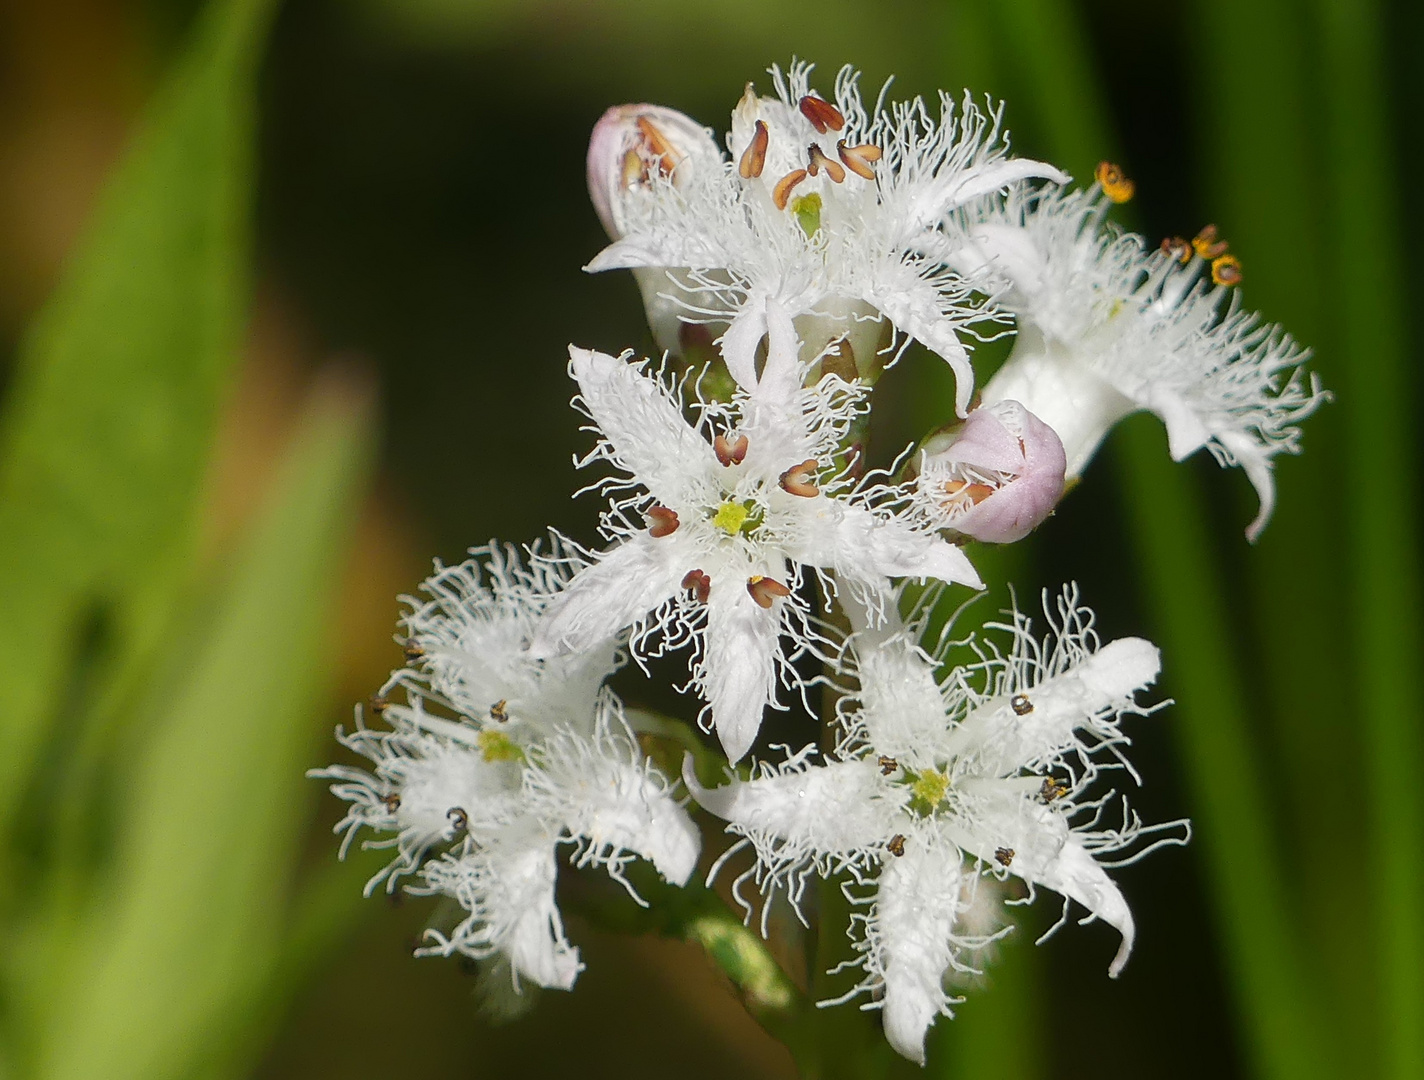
[(1042, 39), (1382, 515)]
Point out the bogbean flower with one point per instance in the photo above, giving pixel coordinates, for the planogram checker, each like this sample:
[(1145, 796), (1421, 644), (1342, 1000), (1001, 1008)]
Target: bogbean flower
[(938, 783), (530, 755), (1107, 327), (834, 212), (993, 477), (720, 516)]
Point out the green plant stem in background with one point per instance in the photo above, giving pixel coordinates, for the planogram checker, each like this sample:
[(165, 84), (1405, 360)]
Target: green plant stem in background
[(1047, 52), (1260, 172), (107, 425), (1230, 808), (1379, 508), (696, 914), (183, 934)]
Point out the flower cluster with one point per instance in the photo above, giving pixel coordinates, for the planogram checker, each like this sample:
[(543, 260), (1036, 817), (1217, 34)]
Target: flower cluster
[(743, 528)]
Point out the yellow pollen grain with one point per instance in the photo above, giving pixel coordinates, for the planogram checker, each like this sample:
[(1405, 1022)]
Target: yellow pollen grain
[(730, 517), (497, 746)]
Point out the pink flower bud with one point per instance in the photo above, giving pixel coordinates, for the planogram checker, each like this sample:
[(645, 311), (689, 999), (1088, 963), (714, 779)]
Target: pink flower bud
[(993, 477), (634, 144)]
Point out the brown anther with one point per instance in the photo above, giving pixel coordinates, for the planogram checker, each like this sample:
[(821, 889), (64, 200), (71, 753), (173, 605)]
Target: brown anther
[(1115, 184), (860, 159), (459, 820), (377, 703), (896, 845), (782, 192), (1208, 244), (958, 490), (499, 712), (730, 453), (887, 765), (633, 169), (1021, 705), (413, 652), (699, 583), (816, 160), (391, 802), (661, 521), (754, 156), (658, 145), (839, 360), (1004, 855), (765, 590), (1226, 270), (822, 114), (1052, 789), (801, 480), (1177, 248)]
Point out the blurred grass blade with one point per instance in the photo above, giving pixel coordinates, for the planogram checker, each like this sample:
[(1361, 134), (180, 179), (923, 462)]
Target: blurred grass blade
[(1228, 800), (1260, 170), (1382, 580), (1046, 50), (189, 928), (106, 429)]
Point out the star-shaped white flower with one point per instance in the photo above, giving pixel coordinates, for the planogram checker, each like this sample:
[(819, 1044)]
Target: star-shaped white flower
[(936, 783), (535, 754), (1107, 327), (724, 513), (834, 212)]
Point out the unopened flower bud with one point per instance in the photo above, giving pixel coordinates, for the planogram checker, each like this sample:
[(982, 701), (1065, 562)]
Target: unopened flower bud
[(630, 145), (993, 477), (631, 148)]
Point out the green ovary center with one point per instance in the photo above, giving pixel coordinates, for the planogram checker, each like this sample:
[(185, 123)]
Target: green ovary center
[(807, 209), (927, 791), (735, 517), (497, 746)]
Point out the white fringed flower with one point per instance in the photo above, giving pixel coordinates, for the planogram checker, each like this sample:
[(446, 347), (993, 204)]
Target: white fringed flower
[(938, 782), (833, 211), (723, 514), (1107, 327), (538, 755)]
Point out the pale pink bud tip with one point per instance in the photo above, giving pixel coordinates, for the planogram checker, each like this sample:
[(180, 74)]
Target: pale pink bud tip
[(996, 477), (633, 144)]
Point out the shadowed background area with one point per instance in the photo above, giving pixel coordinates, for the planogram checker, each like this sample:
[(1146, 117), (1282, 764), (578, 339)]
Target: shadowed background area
[(414, 190)]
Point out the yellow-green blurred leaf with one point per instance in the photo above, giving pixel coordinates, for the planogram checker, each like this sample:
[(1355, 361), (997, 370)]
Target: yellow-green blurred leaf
[(105, 434), (191, 923)]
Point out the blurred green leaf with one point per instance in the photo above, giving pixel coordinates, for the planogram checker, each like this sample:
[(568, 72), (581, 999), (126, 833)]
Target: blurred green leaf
[(105, 434), (1382, 522), (1260, 171), (173, 951), (1047, 52)]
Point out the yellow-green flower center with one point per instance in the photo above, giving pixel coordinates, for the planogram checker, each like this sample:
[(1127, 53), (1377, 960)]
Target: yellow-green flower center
[(807, 209), (497, 746), (927, 791), (736, 517)]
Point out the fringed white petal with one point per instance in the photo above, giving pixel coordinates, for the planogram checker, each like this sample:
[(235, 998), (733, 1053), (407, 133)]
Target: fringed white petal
[(835, 809), (611, 802), (643, 426), (1036, 722), (1042, 849), (507, 886), (738, 669), (911, 938), (865, 547), (920, 313), (625, 582)]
